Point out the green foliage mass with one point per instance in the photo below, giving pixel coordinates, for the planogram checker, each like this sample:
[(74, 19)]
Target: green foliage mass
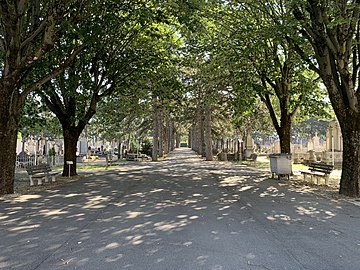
[(187, 54)]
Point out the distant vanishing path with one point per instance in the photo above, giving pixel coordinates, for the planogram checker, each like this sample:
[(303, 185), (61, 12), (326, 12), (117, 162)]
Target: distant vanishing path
[(182, 213)]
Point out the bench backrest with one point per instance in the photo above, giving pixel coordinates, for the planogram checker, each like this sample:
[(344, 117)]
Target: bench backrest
[(41, 168), (321, 167), (253, 157)]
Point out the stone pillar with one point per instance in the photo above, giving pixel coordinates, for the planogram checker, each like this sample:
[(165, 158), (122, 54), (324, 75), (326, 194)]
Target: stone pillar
[(249, 145), (310, 144), (312, 157), (334, 137), (337, 137), (316, 143), (328, 139), (277, 147), (31, 146)]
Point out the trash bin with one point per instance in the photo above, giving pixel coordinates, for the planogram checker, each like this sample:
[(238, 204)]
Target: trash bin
[(280, 164)]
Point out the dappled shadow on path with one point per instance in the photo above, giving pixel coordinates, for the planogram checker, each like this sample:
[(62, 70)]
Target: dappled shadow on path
[(182, 213)]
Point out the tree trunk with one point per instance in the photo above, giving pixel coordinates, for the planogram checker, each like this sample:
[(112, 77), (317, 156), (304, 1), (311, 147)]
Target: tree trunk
[(285, 138), (200, 132), (349, 182), (347, 110), (207, 134), (71, 138), (172, 136), (155, 148), (190, 139), (239, 147), (161, 133), (178, 138), (166, 134), (10, 109), (7, 158), (194, 138), (120, 146)]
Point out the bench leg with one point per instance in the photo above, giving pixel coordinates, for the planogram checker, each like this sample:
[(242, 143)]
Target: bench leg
[(326, 179), (31, 181), (53, 178), (46, 179), (39, 181)]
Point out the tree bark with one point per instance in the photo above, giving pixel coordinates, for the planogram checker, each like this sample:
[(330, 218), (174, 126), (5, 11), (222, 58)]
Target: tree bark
[(172, 136), (177, 138), (202, 134), (349, 183), (71, 138), (155, 148), (286, 116), (8, 138), (200, 144), (207, 134), (284, 133), (194, 138), (347, 110), (192, 134), (161, 133), (10, 109), (119, 154), (166, 133)]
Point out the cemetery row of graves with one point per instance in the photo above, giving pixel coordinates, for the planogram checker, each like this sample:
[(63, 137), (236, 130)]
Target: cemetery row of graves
[(37, 150)]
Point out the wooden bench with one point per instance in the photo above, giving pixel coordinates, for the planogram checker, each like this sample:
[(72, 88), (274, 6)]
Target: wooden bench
[(252, 157), (131, 157), (318, 170), (232, 157), (136, 157), (39, 172)]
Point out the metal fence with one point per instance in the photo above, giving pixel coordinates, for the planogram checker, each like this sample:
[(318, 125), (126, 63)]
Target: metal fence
[(24, 161)]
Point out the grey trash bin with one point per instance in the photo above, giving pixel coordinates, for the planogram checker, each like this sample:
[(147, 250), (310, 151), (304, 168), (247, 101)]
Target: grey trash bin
[(280, 164)]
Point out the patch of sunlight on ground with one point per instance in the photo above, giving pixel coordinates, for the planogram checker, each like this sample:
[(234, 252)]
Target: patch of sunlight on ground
[(25, 198)]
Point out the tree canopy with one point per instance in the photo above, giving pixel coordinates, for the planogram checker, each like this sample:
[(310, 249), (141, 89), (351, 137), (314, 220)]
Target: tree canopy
[(218, 68)]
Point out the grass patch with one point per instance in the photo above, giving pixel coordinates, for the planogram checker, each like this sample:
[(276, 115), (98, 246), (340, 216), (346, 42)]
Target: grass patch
[(299, 167), (96, 166), (263, 163), (92, 167), (256, 164)]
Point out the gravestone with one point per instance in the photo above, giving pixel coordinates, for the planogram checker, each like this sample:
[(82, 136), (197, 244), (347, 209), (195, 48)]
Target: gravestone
[(82, 146), (310, 144), (334, 137), (249, 145), (316, 143), (312, 156), (31, 146), (276, 147), (334, 144)]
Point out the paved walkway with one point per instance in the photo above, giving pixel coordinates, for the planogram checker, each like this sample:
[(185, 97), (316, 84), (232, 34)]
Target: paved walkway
[(182, 213)]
